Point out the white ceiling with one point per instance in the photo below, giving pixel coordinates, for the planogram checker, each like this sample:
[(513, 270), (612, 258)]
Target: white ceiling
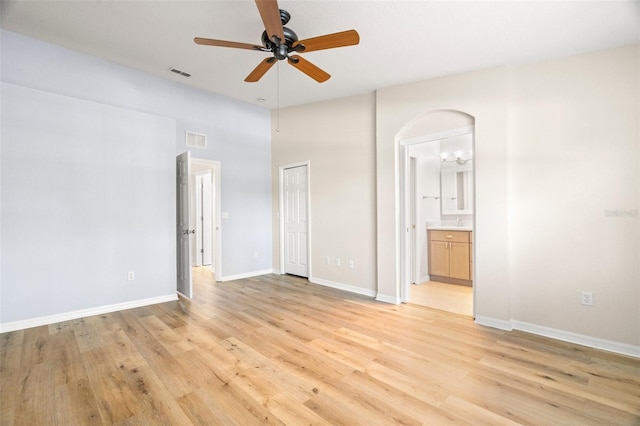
[(400, 41)]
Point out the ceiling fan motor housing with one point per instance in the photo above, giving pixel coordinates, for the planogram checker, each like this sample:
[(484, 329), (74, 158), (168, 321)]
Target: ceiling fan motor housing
[(280, 51)]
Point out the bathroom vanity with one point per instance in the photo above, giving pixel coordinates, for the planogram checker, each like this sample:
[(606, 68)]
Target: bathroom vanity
[(451, 255)]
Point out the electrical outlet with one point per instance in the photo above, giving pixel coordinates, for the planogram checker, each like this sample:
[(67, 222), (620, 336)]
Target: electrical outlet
[(587, 298), (131, 276), (351, 264), (256, 254), (327, 260), (338, 261)]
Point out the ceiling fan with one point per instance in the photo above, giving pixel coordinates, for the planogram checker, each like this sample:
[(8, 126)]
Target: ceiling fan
[(283, 43)]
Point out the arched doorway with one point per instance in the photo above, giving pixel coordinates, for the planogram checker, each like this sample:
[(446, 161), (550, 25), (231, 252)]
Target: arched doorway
[(436, 181)]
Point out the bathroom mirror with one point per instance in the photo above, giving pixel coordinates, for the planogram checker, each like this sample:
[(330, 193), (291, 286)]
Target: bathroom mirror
[(456, 190)]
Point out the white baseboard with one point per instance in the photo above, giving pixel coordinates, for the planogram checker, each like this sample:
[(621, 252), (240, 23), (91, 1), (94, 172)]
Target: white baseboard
[(388, 299), (82, 313), (565, 336), (345, 287), (494, 323), (246, 275), (580, 339)]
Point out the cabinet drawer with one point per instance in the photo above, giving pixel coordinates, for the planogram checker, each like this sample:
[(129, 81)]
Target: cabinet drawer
[(456, 236)]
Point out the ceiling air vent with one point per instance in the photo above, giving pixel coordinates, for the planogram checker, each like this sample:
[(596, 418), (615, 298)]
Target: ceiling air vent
[(196, 140), (179, 72)]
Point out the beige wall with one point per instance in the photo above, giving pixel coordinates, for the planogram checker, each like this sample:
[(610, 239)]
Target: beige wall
[(337, 138), (574, 157), (483, 95), (556, 151)]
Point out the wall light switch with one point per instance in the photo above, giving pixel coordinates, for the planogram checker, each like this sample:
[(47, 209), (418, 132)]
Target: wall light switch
[(131, 276), (337, 261)]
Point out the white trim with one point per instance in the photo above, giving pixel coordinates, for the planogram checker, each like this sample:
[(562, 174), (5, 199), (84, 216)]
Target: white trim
[(83, 313), (281, 170), (388, 299), (432, 137), (341, 286), (493, 322), (579, 339), (565, 336), (246, 275), (422, 280), (403, 207)]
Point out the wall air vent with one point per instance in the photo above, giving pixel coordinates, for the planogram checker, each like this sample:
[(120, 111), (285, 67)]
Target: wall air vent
[(196, 140), (179, 72)]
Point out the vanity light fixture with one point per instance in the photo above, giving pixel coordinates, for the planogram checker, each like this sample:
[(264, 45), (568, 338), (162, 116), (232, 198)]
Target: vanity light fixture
[(458, 157)]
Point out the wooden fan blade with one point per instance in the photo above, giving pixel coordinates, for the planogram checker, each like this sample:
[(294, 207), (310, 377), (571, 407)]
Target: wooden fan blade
[(260, 70), (309, 69), (270, 14), (224, 43), (329, 41)]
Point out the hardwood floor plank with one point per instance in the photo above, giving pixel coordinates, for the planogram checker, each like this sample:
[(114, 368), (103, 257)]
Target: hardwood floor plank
[(197, 411), (408, 404), (279, 350), (474, 414), (34, 407), (116, 401), (76, 404), (355, 406)]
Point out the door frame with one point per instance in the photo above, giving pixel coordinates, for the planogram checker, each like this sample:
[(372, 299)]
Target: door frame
[(404, 191), (216, 171), (281, 170)]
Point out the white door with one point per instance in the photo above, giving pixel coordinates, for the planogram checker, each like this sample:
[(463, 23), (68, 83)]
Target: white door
[(206, 218), (295, 221), (183, 232)]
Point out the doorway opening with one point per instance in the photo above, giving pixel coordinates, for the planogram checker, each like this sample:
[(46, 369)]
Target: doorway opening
[(198, 219), (436, 188)]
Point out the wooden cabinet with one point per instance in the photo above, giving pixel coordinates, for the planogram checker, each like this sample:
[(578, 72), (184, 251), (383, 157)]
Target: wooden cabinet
[(449, 254)]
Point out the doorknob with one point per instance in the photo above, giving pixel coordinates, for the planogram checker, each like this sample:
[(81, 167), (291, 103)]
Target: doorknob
[(193, 231)]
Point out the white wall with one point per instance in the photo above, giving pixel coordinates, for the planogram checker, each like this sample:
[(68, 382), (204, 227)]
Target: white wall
[(336, 137), (238, 136), (87, 195)]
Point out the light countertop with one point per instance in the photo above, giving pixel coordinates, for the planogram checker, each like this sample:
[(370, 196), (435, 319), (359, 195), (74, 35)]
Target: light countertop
[(449, 228)]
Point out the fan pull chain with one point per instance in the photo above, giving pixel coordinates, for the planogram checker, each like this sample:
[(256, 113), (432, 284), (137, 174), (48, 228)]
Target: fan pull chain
[(278, 97)]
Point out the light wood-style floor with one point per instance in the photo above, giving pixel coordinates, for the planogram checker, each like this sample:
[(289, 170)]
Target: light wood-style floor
[(279, 350), (446, 297)]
